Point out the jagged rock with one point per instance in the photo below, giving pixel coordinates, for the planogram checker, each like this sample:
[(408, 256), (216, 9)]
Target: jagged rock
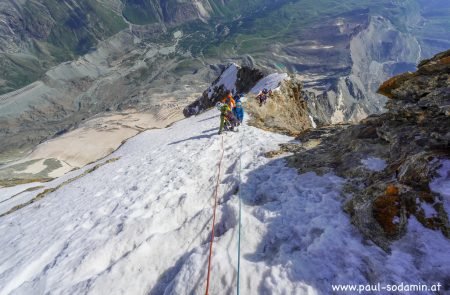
[(418, 170), (286, 110), (411, 138), (247, 78)]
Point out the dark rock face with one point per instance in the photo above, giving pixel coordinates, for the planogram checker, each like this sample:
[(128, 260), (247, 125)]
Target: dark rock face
[(247, 78), (412, 138), (205, 102)]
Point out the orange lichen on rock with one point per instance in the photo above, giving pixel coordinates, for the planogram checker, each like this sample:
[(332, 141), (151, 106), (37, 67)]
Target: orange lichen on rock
[(444, 61), (392, 190), (387, 87), (385, 210)]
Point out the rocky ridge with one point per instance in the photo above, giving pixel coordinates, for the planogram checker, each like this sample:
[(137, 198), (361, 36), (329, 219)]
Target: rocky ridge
[(390, 158), (286, 110)]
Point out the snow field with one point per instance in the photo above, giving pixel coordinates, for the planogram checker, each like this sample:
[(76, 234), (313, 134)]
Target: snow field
[(441, 184), (141, 225), (126, 226)]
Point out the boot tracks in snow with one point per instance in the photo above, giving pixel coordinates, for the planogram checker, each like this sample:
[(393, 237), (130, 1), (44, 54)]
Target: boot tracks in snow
[(216, 192)]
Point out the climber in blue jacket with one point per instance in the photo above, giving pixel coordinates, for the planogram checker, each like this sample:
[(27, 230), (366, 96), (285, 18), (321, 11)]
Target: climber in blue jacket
[(238, 110)]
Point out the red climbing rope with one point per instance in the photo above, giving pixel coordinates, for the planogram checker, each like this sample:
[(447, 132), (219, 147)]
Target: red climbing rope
[(216, 192)]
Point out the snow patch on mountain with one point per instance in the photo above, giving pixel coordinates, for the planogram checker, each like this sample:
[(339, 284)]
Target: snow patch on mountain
[(374, 164), (313, 123), (271, 82), (227, 79), (441, 184)]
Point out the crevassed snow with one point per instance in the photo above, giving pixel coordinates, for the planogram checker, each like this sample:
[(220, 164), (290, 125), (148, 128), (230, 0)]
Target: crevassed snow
[(374, 164), (271, 82), (227, 79), (141, 225)]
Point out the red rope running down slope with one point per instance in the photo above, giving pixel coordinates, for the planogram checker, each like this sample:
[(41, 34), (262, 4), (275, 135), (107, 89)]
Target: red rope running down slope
[(216, 192)]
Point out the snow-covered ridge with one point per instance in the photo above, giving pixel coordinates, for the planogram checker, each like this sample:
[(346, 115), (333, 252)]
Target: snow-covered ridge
[(271, 82), (227, 79)]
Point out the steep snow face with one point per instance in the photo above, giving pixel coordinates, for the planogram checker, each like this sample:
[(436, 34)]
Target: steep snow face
[(141, 225), (227, 79), (271, 82)]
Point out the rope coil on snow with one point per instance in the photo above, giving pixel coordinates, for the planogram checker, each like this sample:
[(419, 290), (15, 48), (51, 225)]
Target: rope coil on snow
[(216, 191)]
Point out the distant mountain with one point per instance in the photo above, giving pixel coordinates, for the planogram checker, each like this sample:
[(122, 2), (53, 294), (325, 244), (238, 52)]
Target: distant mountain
[(90, 56), (35, 35)]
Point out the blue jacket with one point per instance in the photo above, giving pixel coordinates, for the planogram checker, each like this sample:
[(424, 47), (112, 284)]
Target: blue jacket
[(239, 113)]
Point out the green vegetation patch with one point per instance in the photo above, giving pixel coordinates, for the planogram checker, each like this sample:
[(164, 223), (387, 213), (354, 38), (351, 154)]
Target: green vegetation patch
[(18, 71)]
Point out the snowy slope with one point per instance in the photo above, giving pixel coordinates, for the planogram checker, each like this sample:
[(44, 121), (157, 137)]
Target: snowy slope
[(441, 184), (271, 82), (227, 79), (20, 194), (141, 225)]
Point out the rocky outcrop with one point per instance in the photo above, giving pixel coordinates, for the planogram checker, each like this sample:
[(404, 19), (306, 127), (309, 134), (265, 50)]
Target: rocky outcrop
[(390, 159), (286, 111)]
